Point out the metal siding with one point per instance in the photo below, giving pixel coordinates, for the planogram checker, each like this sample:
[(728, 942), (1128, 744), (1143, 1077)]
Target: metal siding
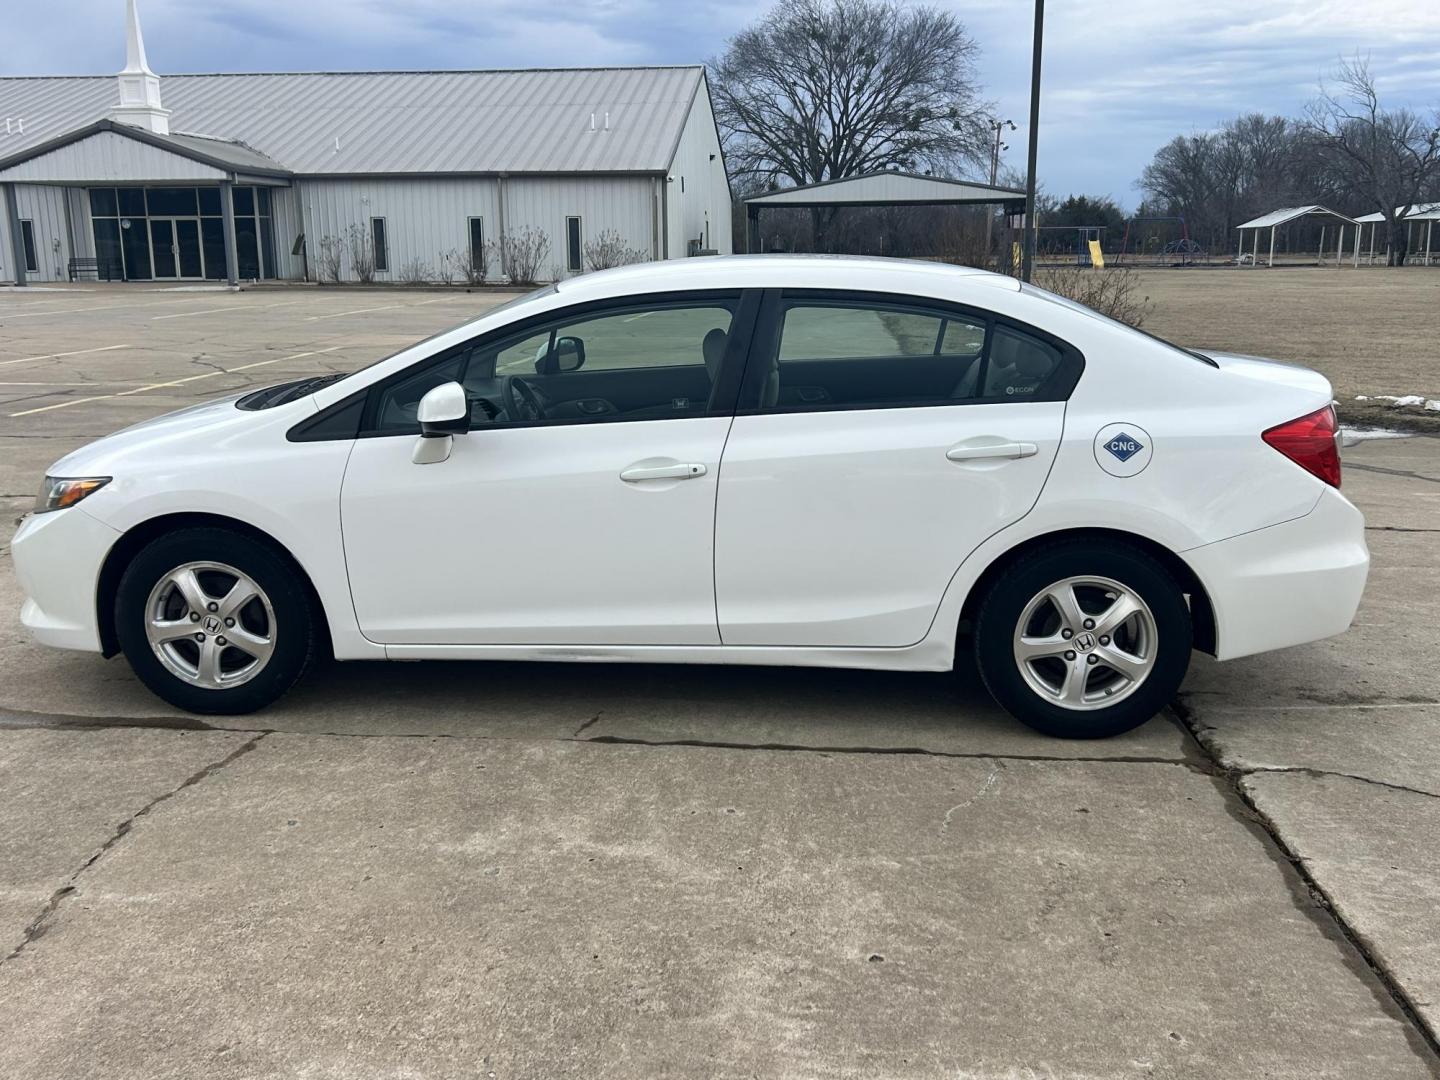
[(423, 217), (621, 204), (398, 122), (45, 206), (287, 224), (109, 158), (704, 202)]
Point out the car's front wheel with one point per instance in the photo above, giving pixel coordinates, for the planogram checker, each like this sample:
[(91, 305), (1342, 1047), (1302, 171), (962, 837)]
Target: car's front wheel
[(215, 622), (1082, 640)]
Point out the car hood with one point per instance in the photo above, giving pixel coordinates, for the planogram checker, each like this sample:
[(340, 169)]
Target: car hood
[(1274, 373), (209, 423)]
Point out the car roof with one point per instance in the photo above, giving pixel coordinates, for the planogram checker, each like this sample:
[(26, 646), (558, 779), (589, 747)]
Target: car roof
[(786, 271)]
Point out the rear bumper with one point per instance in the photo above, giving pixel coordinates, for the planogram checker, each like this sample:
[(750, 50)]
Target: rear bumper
[(1291, 583), (57, 560)]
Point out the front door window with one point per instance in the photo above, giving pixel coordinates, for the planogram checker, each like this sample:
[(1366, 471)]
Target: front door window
[(162, 247)]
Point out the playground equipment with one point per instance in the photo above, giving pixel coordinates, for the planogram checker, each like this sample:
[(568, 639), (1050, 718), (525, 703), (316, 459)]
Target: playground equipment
[(1085, 246), (1179, 252)]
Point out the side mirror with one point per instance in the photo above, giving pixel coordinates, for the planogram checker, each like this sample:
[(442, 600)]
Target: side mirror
[(443, 412), (568, 355)]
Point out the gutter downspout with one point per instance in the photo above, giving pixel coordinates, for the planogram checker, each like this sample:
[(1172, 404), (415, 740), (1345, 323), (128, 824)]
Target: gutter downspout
[(500, 202)]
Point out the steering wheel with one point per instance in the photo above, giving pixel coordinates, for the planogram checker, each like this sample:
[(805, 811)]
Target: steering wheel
[(522, 401)]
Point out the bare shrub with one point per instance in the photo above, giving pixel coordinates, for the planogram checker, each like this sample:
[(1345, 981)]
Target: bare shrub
[(609, 249), (1114, 292), (329, 259), (522, 253), (416, 271), (362, 252), (448, 266), (963, 243), (476, 265)]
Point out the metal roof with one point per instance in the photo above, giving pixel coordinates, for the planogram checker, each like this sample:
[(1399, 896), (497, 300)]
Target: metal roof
[(885, 189), (1290, 213), (337, 123), (1419, 212)]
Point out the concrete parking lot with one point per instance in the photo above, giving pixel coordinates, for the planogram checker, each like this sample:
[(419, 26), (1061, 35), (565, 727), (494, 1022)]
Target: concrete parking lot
[(432, 870)]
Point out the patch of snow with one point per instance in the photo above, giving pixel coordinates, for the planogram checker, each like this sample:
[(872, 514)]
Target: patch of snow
[(1355, 436)]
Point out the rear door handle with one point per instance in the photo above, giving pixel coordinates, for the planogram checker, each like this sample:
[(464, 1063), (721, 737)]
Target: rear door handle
[(636, 473), (992, 450)]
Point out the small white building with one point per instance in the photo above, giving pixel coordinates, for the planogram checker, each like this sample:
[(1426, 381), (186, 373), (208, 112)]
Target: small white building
[(422, 173)]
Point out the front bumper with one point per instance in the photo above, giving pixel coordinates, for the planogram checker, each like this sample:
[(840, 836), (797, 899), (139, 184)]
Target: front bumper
[(57, 559), (1289, 584)]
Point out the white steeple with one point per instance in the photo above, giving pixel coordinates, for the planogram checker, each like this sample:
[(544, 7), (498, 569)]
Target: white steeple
[(139, 86)]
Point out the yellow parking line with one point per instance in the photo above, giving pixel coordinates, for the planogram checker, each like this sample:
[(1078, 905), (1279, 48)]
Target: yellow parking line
[(172, 382), (57, 355)]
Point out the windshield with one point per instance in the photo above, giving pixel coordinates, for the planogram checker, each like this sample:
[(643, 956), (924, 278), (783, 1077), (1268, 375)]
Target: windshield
[(1073, 305)]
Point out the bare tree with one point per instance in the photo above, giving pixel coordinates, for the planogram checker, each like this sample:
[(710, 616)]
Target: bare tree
[(362, 252), (522, 253), (329, 259), (448, 265), (609, 249), (475, 265), (825, 89), (416, 271), (1388, 157)]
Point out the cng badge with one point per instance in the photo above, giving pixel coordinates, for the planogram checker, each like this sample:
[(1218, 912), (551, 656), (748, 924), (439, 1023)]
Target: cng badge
[(1124, 446), (1123, 449)]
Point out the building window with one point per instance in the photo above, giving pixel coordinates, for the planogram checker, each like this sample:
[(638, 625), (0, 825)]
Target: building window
[(27, 238), (573, 252), (379, 245), (477, 248), (123, 221)]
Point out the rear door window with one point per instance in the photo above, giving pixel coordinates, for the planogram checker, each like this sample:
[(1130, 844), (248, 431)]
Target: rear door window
[(886, 352)]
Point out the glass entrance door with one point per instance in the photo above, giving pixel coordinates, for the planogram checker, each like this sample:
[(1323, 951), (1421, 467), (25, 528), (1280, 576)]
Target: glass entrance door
[(187, 244), (175, 248)]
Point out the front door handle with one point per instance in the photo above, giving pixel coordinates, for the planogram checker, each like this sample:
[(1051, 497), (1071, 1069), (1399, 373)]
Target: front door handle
[(681, 471), (992, 450)]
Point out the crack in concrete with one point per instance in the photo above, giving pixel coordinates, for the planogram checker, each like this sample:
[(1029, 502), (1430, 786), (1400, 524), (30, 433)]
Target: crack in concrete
[(1232, 779), (893, 751), (1392, 472), (1397, 528), (42, 922), (1255, 770), (587, 724)]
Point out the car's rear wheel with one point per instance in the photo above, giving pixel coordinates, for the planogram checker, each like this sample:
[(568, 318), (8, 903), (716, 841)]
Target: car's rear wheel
[(215, 622), (1083, 640)]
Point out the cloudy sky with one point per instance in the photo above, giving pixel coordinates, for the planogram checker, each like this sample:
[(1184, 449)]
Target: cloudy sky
[(1121, 76)]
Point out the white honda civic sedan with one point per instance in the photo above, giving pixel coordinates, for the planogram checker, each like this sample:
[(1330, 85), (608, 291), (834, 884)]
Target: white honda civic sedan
[(819, 461)]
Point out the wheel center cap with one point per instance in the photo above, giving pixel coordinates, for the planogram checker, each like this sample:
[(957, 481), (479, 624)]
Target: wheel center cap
[(211, 624), (1085, 641)]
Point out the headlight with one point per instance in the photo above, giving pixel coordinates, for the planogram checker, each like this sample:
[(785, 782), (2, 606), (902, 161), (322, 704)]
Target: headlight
[(59, 492)]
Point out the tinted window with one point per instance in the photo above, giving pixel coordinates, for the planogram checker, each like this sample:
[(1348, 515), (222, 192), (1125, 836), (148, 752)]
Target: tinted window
[(102, 202), (209, 201), (640, 363), (132, 201), (244, 200), (853, 355), (1020, 365), (381, 247), (166, 201), (572, 244), (27, 238)]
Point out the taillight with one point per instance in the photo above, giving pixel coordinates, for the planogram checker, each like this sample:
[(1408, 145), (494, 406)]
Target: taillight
[(1310, 443)]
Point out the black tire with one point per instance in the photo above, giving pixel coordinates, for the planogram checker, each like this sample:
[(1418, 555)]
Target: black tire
[(1007, 599), (296, 620)]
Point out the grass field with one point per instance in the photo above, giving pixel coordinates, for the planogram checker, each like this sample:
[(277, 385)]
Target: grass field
[(1371, 331)]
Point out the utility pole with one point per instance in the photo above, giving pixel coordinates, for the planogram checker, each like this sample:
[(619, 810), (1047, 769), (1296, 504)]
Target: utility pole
[(1027, 259), (999, 126)]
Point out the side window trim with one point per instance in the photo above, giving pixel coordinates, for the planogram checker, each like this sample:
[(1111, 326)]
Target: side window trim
[(769, 326), (723, 400)]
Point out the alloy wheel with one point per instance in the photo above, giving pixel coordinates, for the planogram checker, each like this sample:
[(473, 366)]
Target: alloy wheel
[(210, 625), (1085, 642)]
